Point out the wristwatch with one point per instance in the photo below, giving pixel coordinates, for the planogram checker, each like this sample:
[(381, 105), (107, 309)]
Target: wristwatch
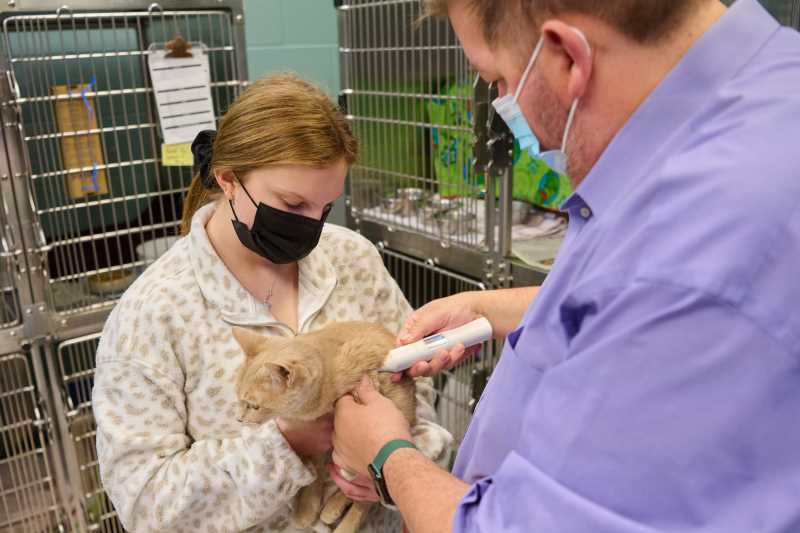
[(376, 469)]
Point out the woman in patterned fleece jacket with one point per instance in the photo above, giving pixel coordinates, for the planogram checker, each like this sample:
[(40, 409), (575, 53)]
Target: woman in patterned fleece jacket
[(173, 456)]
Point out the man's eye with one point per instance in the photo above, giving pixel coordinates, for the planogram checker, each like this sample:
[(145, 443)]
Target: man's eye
[(254, 407)]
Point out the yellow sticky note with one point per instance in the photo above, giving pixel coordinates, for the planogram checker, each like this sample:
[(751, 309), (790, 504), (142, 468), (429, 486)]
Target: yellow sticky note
[(176, 155)]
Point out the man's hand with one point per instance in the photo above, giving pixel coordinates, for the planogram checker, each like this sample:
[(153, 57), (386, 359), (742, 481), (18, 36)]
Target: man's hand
[(362, 428), (308, 438), (439, 315), (361, 489)]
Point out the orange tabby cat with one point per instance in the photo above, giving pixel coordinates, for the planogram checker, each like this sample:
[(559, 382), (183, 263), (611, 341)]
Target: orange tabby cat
[(301, 378)]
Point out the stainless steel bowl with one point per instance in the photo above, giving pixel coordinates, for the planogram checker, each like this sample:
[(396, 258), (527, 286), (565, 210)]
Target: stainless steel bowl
[(412, 199), (457, 222), (520, 211), (446, 203), (438, 207), (392, 205)]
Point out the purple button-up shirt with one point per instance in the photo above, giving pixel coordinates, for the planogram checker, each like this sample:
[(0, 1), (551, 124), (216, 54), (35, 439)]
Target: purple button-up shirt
[(654, 384)]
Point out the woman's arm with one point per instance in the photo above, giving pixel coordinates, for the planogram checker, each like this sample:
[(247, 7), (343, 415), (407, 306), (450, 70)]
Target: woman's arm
[(157, 476)]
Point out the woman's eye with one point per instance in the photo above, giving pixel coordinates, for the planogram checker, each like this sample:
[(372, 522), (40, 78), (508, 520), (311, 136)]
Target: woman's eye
[(294, 206), (255, 407)]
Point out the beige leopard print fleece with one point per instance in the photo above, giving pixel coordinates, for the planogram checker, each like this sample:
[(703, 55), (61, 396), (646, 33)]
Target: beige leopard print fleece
[(172, 455)]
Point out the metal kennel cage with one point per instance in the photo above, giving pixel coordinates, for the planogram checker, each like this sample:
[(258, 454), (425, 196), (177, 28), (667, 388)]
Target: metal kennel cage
[(28, 493), (409, 97), (85, 205), (88, 141), (435, 175)]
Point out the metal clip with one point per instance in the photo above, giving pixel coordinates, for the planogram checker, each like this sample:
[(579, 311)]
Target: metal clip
[(64, 7), (41, 420), (13, 86)]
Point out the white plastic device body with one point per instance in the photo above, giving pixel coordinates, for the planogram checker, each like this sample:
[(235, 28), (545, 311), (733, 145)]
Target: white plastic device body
[(469, 334)]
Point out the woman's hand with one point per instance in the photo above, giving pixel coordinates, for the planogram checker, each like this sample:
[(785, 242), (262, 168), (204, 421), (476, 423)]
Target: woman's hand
[(308, 438), (439, 315), (360, 489)]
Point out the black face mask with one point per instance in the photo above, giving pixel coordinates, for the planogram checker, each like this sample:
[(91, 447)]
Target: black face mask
[(279, 236)]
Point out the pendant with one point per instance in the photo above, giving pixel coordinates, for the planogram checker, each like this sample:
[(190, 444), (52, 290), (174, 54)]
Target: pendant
[(267, 299)]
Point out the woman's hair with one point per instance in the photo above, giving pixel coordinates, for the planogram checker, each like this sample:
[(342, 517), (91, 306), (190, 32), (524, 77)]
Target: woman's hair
[(280, 119)]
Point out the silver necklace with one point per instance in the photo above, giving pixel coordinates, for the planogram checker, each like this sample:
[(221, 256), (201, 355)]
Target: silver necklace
[(268, 297)]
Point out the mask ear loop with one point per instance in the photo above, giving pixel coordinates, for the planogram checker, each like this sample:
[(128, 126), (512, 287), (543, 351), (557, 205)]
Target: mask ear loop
[(574, 107), (527, 71), (325, 212), (570, 119), (230, 202)]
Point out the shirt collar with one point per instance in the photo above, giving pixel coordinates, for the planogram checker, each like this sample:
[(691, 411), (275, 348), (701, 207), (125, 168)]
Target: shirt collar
[(316, 281), (713, 60)]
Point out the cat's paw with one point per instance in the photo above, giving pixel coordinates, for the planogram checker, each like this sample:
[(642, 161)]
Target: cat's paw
[(304, 518), (351, 523), (334, 508), (307, 505)]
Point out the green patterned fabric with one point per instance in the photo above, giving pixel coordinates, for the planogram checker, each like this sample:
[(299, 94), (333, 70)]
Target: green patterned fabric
[(534, 181)]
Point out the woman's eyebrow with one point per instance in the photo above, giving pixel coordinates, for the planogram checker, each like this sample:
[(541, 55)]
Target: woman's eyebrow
[(289, 194)]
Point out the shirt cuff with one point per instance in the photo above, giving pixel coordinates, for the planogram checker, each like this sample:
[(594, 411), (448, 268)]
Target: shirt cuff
[(275, 458)]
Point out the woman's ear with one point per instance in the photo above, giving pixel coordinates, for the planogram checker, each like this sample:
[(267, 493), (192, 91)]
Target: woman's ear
[(226, 181), (251, 343)]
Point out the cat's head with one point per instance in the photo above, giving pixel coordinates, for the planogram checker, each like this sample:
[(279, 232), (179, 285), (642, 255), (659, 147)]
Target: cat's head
[(279, 377)]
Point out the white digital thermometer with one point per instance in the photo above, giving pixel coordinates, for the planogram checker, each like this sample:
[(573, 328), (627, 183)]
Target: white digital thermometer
[(470, 334)]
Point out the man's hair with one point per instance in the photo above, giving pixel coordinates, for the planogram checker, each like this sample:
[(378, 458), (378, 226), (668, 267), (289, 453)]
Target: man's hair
[(644, 21)]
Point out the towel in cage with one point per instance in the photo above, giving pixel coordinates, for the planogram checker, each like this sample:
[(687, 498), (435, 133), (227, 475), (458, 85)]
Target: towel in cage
[(452, 154), (80, 149)]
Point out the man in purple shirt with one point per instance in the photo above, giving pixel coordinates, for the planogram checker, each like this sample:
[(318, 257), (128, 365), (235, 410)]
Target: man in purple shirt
[(652, 384)]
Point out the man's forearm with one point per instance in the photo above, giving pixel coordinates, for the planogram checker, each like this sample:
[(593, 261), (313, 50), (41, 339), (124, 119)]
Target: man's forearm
[(426, 495), (504, 308)]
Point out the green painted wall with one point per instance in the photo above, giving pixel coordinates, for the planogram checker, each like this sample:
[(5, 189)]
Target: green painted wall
[(298, 36)]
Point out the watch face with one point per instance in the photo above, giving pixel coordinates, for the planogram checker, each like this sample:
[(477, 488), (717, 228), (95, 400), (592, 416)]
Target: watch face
[(373, 472), (380, 488)]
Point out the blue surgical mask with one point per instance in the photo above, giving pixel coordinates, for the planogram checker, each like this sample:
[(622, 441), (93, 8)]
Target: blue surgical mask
[(508, 108)]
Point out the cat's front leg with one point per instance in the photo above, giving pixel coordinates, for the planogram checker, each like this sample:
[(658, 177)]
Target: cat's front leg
[(308, 502), (352, 521), (334, 508)]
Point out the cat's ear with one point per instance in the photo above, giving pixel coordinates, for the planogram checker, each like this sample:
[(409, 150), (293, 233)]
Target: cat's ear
[(278, 374), (251, 343)]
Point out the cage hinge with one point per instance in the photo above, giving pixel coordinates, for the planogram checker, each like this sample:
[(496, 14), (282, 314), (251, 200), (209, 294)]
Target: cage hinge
[(38, 323), (41, 419), (337, 3), (343, 102)]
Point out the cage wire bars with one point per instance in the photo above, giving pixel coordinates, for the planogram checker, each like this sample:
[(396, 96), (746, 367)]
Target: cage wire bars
[(86, 206)]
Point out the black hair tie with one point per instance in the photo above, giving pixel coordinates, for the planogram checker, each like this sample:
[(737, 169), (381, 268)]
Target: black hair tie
[(203, 151)]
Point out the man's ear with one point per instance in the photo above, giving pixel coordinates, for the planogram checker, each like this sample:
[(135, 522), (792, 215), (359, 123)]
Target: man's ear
[(573, 46), (251, 343)]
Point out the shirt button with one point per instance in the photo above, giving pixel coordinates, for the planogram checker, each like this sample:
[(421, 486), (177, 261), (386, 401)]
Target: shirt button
[(586, 212)]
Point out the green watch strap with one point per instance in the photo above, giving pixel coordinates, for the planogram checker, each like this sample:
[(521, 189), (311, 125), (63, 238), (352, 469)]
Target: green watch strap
[(388, 449)]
